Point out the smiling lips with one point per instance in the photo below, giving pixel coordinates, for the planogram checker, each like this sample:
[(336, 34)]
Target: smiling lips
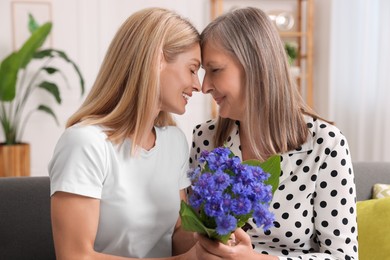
[(186, 96), (218, 100)]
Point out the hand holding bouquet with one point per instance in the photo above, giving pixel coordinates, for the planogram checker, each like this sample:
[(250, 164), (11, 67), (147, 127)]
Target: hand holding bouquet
[(227, 192)]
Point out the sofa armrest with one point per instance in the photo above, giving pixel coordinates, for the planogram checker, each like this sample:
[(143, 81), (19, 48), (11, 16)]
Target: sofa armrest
[(25, 224), (367, 174)]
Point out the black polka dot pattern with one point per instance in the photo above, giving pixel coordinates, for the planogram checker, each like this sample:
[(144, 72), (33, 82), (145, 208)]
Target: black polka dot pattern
[(314, 205)]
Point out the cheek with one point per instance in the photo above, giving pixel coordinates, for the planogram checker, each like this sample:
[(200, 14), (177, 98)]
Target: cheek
[(236, 89)]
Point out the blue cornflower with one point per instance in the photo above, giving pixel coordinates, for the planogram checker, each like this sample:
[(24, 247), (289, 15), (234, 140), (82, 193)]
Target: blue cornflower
[(223, 152), (226, 192), (259, 174), (203, 156), (226, 203), (262, 216), (240, 189), (258, 191), (195, 200), (233, 163), (225, 224), (221, 179), (213, 206), (241, 206), (194, 173), (204, 185), (245, 175)]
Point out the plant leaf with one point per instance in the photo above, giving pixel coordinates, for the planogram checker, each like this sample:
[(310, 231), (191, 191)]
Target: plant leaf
[(46, 53), (65, 57), (32, 23), (9, 75), (11, 64), (272, 166), (50, 70), (49, 111), (191, 222), (53, 53), (36, 40), (52, 89)]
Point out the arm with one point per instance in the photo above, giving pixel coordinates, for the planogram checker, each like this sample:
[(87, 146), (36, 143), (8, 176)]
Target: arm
[(182, 240), (335, 204), (75, 223)]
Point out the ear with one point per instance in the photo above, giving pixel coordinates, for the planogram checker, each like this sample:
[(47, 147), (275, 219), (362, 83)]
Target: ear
[(162, 60)]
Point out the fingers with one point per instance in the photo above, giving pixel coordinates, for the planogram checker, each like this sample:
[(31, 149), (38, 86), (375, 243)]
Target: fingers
[(207, 244), (209, 249), (242, 236)]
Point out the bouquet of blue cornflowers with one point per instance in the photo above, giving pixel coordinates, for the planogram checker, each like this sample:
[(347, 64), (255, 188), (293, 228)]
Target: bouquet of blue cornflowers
[(227, 192)]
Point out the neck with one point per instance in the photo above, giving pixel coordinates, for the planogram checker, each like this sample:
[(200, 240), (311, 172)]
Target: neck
[(245, 141), (150, 140)]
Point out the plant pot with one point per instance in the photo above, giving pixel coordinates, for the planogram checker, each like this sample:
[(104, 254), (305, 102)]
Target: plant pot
[(14, 160)]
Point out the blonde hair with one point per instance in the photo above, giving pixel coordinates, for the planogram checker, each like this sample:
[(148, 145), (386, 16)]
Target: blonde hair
[(274, 106), (125, 96)]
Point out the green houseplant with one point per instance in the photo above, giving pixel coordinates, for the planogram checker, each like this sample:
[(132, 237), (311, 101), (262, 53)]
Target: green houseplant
[(292, 51), (18, 82)]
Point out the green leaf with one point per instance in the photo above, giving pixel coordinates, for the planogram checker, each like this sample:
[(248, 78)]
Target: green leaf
[(191, 222), (11, 65), (9, 75), (49, 53), (49, 111), (32, 23), (33, 43), (65, 57), (291, 51), (52, 89), (272, 166), (243, 219), (50, 70)]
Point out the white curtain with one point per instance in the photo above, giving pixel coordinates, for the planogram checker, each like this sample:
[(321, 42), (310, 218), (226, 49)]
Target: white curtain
[(360, 76)]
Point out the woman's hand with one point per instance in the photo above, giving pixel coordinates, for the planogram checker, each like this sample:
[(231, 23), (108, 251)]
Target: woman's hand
[(209, 249)]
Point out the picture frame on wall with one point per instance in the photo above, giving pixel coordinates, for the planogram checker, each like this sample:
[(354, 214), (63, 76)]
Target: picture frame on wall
[(282, 12), (20, 10)]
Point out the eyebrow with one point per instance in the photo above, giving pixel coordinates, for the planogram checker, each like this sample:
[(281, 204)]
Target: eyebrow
[(209, 64), (198, 63)]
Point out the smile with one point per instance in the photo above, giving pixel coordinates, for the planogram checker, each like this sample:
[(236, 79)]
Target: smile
[(186, 97), (218, 100)]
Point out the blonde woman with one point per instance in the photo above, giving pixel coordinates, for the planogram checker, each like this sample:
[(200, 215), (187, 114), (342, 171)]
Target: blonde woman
[(118, 172), (261, 114)]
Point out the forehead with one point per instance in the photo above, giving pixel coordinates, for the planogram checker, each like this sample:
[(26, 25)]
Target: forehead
[(214, 52), (192, 53)]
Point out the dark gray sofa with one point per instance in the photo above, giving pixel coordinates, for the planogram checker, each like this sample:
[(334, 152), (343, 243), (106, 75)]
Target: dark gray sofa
[(25, 229)]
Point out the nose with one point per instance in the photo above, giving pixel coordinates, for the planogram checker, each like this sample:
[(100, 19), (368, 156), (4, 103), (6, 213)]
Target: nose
[(196, 85), (206, 85)]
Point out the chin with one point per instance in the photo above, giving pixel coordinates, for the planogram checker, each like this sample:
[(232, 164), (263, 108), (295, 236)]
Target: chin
[(179, 111), (223, 114), (226, 116)]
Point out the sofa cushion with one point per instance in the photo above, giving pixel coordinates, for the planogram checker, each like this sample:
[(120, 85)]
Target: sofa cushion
[(25, 225), (381, 191), (367, 174), (373, 217)]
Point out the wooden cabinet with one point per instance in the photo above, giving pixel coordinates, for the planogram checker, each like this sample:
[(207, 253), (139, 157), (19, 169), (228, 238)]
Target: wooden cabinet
[(300, 33)]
